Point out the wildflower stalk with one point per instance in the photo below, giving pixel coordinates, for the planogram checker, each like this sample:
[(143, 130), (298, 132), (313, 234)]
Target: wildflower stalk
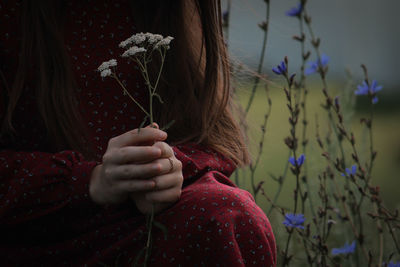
[(357, 233), (280, 181), (291, 142), (380, 232), (301, 85), (152, 93), (286, 259), (390, 228), (140, 48), (353, 227), (324, 199), (315, 43), (148, 242), (264, 26), (263, 127), (129, 95)]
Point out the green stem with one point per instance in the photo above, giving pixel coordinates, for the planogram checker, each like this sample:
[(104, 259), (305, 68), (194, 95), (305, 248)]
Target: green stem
[(161, 67), (260, 63), (126, 91), (148, 243)]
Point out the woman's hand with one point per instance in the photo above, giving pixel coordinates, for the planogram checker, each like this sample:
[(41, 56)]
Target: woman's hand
[(168, 183), (127, 166)]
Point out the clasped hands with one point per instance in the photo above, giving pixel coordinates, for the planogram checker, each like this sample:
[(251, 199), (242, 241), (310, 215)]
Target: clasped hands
[(141, 167)]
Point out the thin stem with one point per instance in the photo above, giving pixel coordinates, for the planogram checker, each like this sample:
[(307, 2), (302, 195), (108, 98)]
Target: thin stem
[(148, 243), (281, 181), (380, 230), (322, 72), (261, 61), (261, 145), (161, 67), (393, 236), (353, 227), (302, 85), (126, 91), (285, 256)]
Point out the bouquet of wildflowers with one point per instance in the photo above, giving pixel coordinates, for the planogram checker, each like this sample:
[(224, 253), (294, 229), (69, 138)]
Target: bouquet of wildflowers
[(141, 48)]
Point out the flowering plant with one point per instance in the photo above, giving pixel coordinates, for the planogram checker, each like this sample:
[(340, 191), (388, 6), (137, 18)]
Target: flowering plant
[(333, 201), (141, 48)]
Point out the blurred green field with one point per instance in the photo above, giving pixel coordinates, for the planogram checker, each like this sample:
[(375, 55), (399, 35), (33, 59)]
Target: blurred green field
[(386, 133)]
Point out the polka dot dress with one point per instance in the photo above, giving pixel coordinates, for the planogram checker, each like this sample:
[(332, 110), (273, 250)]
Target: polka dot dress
[(46, 214)]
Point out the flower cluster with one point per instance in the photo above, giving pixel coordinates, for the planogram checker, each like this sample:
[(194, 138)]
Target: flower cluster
[(133, 51), (104, 68), (144, 40), (316, 65), (369, 89), (136, 45), (351, 171), (299, 161), (295, 11), (280, 69), (294, 220), (346, 249)]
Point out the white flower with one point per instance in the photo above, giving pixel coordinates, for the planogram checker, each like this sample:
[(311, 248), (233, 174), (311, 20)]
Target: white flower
[(133, 51), (107, 64), (105, 73), (164, 42), (153, 38), (134, 39)]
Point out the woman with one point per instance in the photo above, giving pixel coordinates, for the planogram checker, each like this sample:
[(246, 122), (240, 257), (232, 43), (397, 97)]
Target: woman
[(76, 176)]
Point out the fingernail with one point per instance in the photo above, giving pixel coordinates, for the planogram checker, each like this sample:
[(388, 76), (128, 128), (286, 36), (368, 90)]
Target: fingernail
[(157, 150), (163, 135)]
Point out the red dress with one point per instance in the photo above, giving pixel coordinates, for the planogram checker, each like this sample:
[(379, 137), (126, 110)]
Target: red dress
[(46, 214)]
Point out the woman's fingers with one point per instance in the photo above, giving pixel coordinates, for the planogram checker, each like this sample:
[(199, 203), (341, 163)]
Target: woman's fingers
[(166, 181), (168, 165), (169, 195), (156, 168), (134, 154), (136, 137), (136, 171), (131, 186), (166, 150)]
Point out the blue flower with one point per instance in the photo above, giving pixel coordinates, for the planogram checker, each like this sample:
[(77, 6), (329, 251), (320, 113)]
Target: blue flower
[(295, 11), (365, 89), (280, 69), (346, 249), (351, 171), (299, 161), (313, 66), (294, 220), (393, 264)]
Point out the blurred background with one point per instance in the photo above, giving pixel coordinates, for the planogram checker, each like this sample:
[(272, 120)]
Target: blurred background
[(351, 32)]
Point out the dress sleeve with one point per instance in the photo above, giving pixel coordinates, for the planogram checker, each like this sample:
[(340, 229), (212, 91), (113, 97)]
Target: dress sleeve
[(34, 184), (214, 223)]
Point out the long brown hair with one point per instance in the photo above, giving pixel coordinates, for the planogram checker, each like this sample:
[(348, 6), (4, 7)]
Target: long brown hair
[(195, 84)]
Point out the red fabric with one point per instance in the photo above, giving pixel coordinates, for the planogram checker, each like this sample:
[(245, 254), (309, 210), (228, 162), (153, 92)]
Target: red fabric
[(46, 214)]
